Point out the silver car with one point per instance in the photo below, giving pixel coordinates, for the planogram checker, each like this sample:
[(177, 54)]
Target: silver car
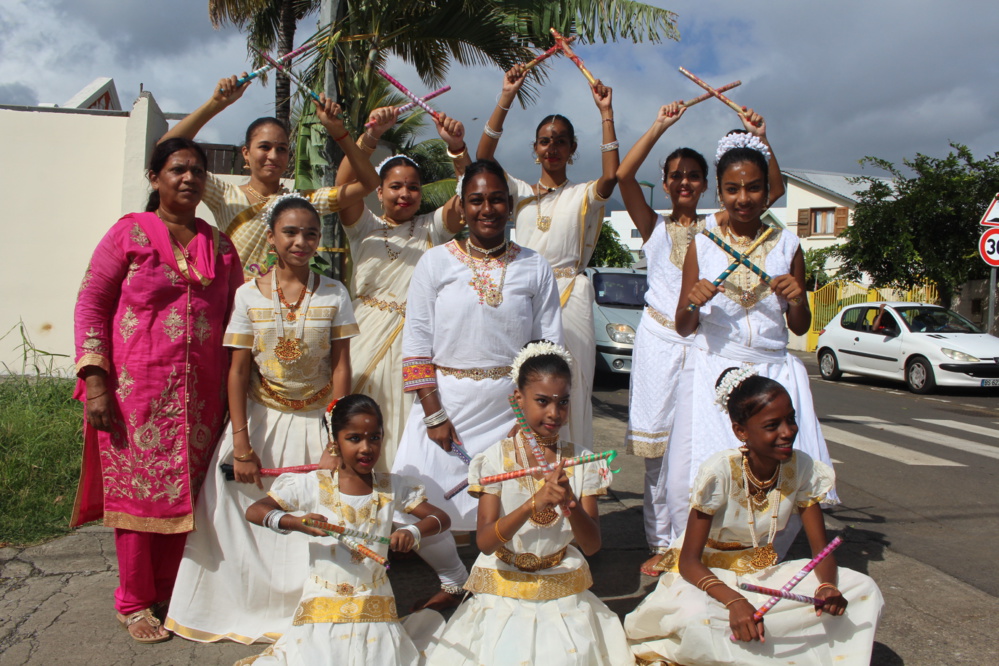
[(617, 309), (923, 345)]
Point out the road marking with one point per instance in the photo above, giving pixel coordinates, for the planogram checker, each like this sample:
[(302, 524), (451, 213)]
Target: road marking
[(967, 427), (884, 449), (931, 437)]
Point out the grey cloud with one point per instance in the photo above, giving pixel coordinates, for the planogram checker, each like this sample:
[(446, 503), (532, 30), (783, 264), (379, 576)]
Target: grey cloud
[(17, 94)]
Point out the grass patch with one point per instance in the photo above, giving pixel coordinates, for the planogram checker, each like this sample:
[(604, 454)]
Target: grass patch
[(41, 447)]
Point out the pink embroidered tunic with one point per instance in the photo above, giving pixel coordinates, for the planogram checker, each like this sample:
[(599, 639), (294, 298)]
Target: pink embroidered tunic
[(152, 314)]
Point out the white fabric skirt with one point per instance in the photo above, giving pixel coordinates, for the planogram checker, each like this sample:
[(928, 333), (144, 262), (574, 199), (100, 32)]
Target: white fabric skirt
[(404, 643), (490, 630), (678, 623), (580, 340), (701, 428), (481, 414), (239, 581)]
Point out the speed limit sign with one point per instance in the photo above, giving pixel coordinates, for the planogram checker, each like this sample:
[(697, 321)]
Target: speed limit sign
[(988, 246)]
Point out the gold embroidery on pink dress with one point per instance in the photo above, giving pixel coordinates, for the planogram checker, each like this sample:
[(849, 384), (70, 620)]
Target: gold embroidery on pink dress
[(128, 323), (86, 279), (138, 236), (125, 384), (202, 328), (173, 325), (133, 268)]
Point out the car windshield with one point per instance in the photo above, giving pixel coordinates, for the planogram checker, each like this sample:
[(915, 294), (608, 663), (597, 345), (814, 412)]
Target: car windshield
[(930, 319), (621, 289)]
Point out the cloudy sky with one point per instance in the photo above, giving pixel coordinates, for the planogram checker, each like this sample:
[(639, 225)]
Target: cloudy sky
[(835, 80)]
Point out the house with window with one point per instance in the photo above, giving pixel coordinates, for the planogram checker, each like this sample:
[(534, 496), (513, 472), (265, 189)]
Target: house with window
[(819, 205)]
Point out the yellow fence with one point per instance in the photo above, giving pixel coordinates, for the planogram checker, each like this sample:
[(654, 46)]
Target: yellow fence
[(830, 299)]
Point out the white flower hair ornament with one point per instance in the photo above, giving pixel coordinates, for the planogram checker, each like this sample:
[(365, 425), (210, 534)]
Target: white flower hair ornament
[(741, 140), (541, 348), (378, 169), (729, 382), (269, 214)]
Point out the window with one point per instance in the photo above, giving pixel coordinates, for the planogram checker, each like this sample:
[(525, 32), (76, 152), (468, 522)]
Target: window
[(635, 233), (622, 289), (851, 318), (823, 221)]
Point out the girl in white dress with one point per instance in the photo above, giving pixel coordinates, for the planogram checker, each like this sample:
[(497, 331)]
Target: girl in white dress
[(347, 614), (561, 221), (239, 210), (742, 321), (660, 352), (290, 335), (385, 250), (472, 305), (739, 501), (532, 603)]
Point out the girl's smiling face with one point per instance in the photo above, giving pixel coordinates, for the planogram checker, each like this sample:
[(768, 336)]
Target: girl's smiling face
[(401, 193), (770, 432), (554, 145), (743, 191), (545, 402), (685, 182), (360, 443), (296, 236)]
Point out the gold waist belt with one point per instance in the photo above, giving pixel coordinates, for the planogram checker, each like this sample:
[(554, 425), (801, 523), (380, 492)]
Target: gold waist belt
[(660, 318), (565, 272), (530, 561), (391, 306), (478, 374), (295, 404)]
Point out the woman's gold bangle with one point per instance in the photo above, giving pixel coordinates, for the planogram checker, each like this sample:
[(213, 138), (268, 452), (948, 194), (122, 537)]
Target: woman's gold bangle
[(739, 598), (497, 531), (246, 457)]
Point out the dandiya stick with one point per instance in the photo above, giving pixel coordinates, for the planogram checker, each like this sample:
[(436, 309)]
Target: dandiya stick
[(563, 42), (405, 91), (548, 54), (735, 264), (346, 531), (711, 91), (527, 471), (286, 58), (739, 257), (706, 96), (833, 545), (815, 601), (290, 74), (411, 105), (230, 473), (349, 543)]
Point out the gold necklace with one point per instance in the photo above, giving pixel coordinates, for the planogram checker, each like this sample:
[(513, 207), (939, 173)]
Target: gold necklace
[(257, 195), (548, 516), (483, 251), (488, 291), (544, 222), (386, 225), (763, 556)]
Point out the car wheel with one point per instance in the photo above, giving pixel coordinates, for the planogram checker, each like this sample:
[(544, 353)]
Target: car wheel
[(919, 376), (828, 365)]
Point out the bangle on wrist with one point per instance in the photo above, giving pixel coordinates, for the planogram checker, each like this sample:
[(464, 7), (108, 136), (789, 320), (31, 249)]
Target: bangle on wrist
[(463, 151), (609, 147), (340, 138), (739, 598), (97, 396), (440, 525), (499, 536), (236, 432), (272, 521), (826, 585), (246, 457), (415, 531), (490, 132), (505, 108), (435, 419), (607, 120)]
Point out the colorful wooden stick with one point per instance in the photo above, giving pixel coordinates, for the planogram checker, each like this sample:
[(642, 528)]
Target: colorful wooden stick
[(707, 95), (711, 91), (564, 43), (291, 75), (548, 54), (782, 594), (528, 434), (411, 105), (286, 58), (230, 474), (405, 91), (740, 260), (833, 545), (459, 450), (349, 543), (526, 471), (346, 531)]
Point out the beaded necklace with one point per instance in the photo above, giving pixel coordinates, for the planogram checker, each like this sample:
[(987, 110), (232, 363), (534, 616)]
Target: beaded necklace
[(548, 516), (763, 556), (386, 225), (289, 350)]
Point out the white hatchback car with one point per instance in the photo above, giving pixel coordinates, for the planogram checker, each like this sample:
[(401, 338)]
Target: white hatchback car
[(923, 345)]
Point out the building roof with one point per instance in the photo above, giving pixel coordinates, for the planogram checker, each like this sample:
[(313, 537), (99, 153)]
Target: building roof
[(836, 184)]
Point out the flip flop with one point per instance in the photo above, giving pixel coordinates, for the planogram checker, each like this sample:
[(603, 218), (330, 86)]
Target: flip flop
[(147, 615), (650, 570)]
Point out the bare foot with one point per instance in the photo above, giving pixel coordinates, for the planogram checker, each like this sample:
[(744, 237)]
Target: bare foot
[(648, 565), (441, 601)]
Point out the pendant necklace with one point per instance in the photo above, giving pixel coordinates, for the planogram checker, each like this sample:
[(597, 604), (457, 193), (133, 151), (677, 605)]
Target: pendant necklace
[(386, 225), (289, 350), (547, 517), (764, 556), (544, 222)]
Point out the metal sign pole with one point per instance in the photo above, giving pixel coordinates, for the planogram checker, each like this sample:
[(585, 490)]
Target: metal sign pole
[(992, 301)]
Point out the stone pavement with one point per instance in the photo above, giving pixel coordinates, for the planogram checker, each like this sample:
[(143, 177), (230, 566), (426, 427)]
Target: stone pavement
[(56, 599)]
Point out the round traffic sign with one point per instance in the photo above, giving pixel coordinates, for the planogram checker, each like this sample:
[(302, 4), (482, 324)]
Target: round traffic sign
[(988, 246)]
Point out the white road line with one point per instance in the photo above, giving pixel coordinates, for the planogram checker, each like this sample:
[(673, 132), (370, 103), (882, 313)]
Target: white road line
[(884, 449), (913, 432), (967, 427)]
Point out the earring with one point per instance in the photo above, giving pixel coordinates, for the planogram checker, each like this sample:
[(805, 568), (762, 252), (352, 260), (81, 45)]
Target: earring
[(272, 257), (743, 449), (537, 159), (572, 160)]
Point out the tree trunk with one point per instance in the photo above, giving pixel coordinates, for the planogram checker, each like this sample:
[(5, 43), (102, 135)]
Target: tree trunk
[(286, 42)]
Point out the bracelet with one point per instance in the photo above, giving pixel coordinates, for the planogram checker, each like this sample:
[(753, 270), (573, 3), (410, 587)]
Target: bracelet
[(608, 120), (739, 598), (499, 536), (98, 396), (246, 457), (428, 395), (236, 432), (505, 108), (435, 419), (608, 147), (453, 590), (415, 531), (272, 521), (454, 156), (490, 132), (794, 301), (363, 145), (698, 583), (710, 584), (341, 137), (826, 585), (440, 525)]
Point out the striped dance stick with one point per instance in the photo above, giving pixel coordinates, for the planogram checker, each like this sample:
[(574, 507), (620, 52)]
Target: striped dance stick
[(526, 471), (405, 91), (230, 474), (564, 43), (833, 545), (412, 105), (286, 58), (290, 74), (743, 258), (714, 93), (549, 53), (815, 601), (707, 96), (346, 531)]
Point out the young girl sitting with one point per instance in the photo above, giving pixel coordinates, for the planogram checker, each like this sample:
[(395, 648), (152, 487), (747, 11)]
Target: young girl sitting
[(347, 614), (740, 499), (532, 604), (290, 339)]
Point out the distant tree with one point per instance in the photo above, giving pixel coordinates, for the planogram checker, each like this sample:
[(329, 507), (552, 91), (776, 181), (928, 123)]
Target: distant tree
[(922, 228), (816, 276), (610, 251)]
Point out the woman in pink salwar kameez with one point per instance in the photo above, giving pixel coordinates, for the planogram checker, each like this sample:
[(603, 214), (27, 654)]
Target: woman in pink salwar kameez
[(150, 317)]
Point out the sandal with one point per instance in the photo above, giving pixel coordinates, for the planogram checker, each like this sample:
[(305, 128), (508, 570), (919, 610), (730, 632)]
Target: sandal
[(648, 567), (145, 614)]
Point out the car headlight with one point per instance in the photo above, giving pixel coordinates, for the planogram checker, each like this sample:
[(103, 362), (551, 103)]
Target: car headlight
[(621, 333), (959, 355)]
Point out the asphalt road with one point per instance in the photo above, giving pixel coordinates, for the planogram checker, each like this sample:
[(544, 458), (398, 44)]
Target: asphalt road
[(917, 474)]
